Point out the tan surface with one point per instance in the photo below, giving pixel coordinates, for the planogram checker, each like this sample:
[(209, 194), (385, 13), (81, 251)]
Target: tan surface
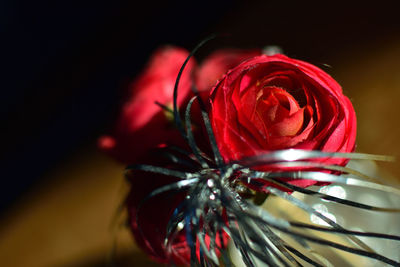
[(65, 221), (370, 76)]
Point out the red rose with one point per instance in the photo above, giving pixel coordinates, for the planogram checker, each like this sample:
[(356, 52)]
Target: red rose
[(148, 219), (275, 102), (143, 124)]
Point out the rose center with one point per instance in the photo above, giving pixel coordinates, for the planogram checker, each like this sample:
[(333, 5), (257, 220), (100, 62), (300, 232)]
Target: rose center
[(279, 111)]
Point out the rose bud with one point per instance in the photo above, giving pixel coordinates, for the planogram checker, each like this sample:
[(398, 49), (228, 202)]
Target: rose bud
[(148, 217), (218, 63), (143, 123), (274, 102)]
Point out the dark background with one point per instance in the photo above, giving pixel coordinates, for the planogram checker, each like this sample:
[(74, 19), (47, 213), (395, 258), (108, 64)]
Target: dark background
[(66, 64)]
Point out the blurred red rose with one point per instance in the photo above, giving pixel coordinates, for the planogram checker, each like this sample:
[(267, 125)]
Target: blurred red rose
[(142, 123), (148, 219), (275, 102), (218, 63)]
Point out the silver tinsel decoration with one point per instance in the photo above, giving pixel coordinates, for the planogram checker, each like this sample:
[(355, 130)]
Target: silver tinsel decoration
[(307, 227)]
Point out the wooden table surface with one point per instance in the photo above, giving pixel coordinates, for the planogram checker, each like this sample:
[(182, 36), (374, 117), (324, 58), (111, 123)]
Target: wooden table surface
[(65, 220)]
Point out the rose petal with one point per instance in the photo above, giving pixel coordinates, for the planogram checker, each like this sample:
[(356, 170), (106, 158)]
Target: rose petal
[(290, 125)]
